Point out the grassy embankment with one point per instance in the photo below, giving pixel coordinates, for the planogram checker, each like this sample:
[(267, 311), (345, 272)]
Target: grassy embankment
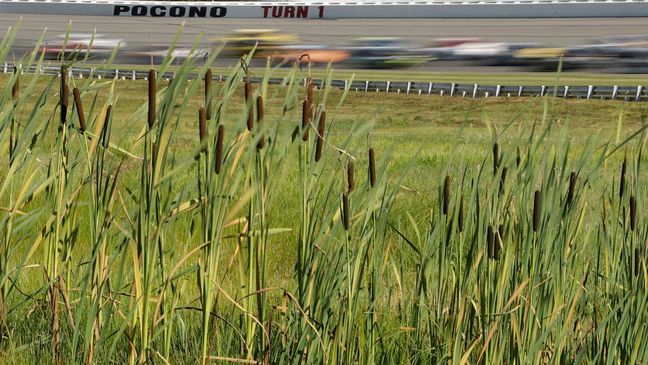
[(488, 230)]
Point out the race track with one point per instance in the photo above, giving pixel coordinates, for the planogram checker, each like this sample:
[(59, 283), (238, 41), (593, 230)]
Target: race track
[(145, 31)]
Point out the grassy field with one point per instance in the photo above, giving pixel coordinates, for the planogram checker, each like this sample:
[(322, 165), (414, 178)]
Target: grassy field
[(404, 229)]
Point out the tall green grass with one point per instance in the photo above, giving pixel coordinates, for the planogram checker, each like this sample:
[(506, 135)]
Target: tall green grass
[(140, 253)]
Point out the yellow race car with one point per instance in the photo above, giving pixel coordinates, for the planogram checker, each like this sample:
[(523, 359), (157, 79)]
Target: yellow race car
[(267, 42)]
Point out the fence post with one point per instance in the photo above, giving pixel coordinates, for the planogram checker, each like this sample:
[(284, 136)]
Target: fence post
[(5, 68), (475, 88), (590, 90), (566, 92), (409, 87), (498, 89), (463, 94), (486, 94), (615, 90), (639, 90), (430, 88), (453, 86), (367, 85), (388, 85), (520, 88), (543, 89)]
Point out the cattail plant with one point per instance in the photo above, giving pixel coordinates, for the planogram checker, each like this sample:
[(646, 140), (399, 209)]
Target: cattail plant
[(106, 128), (572, 187), (202, 127), (446, 195), (490, 242), (460, 217), (219, 149), (154, 154), (248, 98), (79, 109), (345, 211), (259, 105), (537, 207), (499, 242), (350, 176), (64, 94), (15, 88), (306, 118), (496, 158), (372, 167), (622, 180), (502, 183), (15, 95), (152, 95), (518, 157), (309, 89), (321, 128), (633, 212), (208, 93), (637, 261)]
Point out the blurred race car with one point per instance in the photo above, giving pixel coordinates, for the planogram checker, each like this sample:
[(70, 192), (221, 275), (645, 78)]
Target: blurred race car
[(75, 46), (385, 53), (315, 54), (267, 42), (156, 53)]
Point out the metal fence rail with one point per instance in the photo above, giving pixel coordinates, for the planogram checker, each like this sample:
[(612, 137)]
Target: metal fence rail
[(628, 93)]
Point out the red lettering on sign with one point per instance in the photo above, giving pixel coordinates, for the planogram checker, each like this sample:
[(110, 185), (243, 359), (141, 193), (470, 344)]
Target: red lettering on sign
[(302, 12), (288, 11)]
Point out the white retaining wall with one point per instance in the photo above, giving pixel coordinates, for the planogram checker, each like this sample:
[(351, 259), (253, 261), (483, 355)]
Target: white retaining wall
[(335, 10)]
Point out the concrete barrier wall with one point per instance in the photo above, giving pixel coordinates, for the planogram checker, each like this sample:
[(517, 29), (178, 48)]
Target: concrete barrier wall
[(334, 10)]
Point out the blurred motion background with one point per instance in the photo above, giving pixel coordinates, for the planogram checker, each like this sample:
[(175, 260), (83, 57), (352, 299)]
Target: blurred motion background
[(607, 45)]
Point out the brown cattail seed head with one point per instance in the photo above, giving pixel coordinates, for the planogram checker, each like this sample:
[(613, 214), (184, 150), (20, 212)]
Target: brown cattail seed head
[(345, 211), (79, 108), (518, 158), (633, 212), (64, 103), (490, 242), (321, 127), (259, 105), (623, 177), (248, 91), (15, 89), (446, 195), (503, 180), (306, 118), (496, 158), (208, 93), (460, 219), (372, 167), (152, 94), (309, 89), (572, 187), (106, 127), (202, 125), (351, 176), (537, 207), (219, 149), (637, 261)]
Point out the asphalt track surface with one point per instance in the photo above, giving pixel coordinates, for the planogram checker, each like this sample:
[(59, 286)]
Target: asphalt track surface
[(139, 32)]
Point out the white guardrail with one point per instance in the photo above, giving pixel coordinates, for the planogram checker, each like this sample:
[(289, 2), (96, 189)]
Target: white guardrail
[(627, 93), (334, 9)]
